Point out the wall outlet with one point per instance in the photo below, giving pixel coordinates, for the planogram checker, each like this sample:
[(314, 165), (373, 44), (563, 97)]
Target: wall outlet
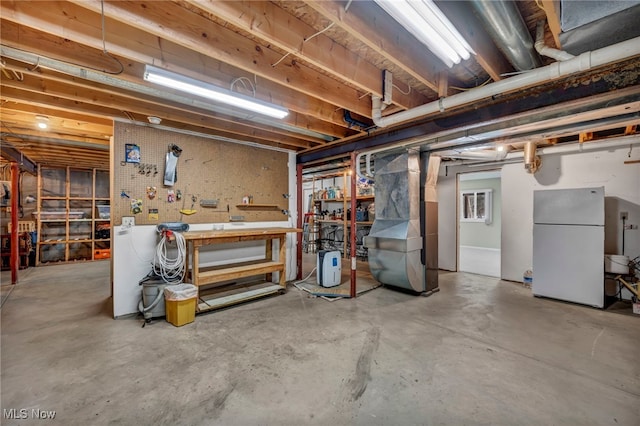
[(128, 221), (624, 215)]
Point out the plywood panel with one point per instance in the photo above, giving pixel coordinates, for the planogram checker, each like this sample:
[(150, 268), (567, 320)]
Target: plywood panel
[(207, 169)]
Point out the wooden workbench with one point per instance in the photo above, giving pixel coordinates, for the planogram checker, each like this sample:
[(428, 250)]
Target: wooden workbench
[(201, 277)]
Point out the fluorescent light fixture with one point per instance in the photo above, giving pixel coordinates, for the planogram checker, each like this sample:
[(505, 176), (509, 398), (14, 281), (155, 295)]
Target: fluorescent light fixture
[(200, 88), (427, 23)]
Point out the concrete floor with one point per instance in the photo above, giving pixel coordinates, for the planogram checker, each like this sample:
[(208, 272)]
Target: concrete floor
[(481, 351)]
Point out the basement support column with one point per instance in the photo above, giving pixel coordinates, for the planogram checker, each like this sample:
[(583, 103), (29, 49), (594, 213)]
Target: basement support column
[(299, 225), (352, 232), (429, 167), (14, 257)]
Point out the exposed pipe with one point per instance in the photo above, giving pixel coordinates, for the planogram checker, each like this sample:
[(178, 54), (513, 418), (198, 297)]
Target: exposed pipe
[(555, 71), (353, 122), (508, 30), (543, 49), (531, 160), (566, 148), (489, 155)]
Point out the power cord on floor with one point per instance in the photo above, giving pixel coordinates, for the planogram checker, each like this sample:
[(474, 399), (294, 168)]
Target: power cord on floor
[(297, 285)]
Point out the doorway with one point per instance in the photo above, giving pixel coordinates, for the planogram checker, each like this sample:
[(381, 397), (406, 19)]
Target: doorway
[(479, 222)]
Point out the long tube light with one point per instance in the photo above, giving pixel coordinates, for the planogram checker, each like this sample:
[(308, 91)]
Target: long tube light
[(200, 88), (427, 23)]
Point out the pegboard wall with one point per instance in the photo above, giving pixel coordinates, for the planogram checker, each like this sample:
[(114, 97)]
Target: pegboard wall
[(206, 169)]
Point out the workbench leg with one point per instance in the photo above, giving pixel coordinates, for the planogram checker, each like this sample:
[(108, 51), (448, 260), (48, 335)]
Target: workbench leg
[(187, 278), (195, 275), (269, 256), (195, 269), (283, 258)]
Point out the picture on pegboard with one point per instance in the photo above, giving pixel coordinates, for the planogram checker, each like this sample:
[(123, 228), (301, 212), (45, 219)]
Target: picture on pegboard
[(132, 153)]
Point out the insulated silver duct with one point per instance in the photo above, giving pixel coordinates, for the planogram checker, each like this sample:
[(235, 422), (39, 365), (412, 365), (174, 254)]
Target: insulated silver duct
[(508, 30), (395, 242)]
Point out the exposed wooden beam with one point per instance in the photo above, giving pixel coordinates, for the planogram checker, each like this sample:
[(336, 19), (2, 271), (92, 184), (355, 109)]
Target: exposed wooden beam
[(171, 22), (80, 43), (630, 130), (132, 99), (13, 114), (488, 56), (121, 102), (443, 84), (277, 27), (552, 10), (585, 137), (365, 22)]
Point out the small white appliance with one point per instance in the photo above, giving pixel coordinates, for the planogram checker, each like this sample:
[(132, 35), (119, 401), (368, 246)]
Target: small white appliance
[(329, 268)]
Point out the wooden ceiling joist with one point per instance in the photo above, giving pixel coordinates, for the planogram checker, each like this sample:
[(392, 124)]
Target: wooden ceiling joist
[(276, 27), (384, 35), (185, 28), (101, 96), (70, 45), (487, 55)]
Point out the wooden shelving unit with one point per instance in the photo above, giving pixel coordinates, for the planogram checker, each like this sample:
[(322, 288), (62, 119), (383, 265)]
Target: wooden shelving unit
[(73, 218)]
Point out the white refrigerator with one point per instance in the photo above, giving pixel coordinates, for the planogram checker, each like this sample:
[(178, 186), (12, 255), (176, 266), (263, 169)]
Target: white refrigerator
[(568, 245)]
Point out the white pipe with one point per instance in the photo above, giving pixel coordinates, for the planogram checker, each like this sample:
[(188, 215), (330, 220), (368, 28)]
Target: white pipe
[(558, 55), (583, 62), (367, 174), (368, 164), (474, 155), (584, 146), (568, 148)]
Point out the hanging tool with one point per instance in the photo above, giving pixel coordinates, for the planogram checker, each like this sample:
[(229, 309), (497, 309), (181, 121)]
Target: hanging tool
[(191, 210)]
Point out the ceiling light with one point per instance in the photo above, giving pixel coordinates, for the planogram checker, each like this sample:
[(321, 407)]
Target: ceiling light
[(199, 88), (154, 120), (429, 25), (42, 122)]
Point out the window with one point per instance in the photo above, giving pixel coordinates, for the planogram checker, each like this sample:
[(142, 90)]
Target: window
[(475, 206)]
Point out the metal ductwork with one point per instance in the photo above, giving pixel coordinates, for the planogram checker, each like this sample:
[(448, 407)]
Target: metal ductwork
[(596, 34), (402, 243), (508, 30)]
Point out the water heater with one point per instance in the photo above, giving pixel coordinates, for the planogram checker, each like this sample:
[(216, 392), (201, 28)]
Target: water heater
[(329, 268)]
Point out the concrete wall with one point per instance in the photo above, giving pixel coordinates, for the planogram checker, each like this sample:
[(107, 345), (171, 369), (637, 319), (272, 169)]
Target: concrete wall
[(572, 170)]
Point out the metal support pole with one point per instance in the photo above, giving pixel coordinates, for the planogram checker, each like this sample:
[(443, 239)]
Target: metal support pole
[(14, 258), (352, 234), (299, 219)]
